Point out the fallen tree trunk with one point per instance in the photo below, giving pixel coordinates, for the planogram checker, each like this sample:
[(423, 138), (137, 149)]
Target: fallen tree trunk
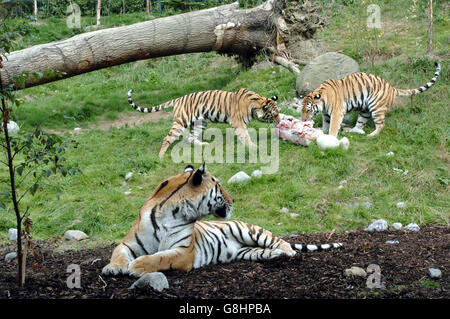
[(225, 29)]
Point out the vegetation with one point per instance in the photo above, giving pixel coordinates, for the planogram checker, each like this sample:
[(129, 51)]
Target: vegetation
[(308, 179)]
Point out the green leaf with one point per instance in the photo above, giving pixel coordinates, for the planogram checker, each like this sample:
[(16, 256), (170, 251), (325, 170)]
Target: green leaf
[(20, 170), (34, 188)]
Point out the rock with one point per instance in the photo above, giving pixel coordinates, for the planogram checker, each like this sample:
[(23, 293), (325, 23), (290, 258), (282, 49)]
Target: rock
[(13, 128), (390, 154), (155, 280), (128, 175), (378, 225), (240, 177), (76, 129), (12, 234), (366, 205), (284, 210), (392, 242), (412, 227), (330, 65), (257, 173), (75, 235), (11, 256), (397, 226), (401, 205), (434, 273), (294, 235), (127, 193), (355, 271), (306, 49), (293, 215)]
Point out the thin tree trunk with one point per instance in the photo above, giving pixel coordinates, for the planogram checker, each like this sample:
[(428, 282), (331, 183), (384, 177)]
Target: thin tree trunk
[(99, 8), (147, 7), (224, 29), (430, 28), (35, 9)]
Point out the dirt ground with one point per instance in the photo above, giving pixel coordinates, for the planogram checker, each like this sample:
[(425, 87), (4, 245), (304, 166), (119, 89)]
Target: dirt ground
[(404, 271)]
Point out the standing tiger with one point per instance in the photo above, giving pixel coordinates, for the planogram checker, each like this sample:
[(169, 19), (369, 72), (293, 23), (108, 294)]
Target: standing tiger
[(367, 93), (236, 108), (168, 233)]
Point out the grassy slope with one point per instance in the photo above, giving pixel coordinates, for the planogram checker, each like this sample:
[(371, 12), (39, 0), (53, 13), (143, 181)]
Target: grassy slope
[(307, 180)]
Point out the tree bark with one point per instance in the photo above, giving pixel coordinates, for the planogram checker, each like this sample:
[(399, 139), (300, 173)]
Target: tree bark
[(99, 8), (430, 28), (35, 8), (147, 7), (224, 29)]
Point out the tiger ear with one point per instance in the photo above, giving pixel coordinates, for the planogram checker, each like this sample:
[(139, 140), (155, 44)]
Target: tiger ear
[(198, 175)]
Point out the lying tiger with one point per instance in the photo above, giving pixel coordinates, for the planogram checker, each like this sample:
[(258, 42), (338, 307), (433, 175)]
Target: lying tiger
[(236, 108), (168, 233)]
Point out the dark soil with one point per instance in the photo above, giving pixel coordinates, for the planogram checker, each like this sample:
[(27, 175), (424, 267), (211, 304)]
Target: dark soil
[(404, 271)]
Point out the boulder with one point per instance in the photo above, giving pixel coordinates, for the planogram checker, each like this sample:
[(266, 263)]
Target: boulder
[(328, 66)]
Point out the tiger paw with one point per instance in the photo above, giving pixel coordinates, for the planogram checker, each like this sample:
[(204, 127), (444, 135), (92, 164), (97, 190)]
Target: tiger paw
[(114, 270), (357, 130), (140, 266)]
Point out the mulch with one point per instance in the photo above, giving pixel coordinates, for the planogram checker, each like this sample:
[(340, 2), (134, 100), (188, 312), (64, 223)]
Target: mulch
[(404, 271)]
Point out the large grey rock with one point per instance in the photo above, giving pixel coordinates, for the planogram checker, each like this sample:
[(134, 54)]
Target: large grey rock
[(155, 280), (75, 235), (328, 66), (12, 234)]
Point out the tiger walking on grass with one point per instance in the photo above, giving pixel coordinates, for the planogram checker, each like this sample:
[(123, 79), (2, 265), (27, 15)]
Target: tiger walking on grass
[(236, 108)]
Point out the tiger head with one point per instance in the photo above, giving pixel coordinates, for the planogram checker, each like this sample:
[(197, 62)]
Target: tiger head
[(194, 194), (264, 109), (312, 104)]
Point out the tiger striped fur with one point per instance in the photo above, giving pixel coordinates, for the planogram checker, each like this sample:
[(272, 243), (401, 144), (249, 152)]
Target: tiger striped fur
[(197, 109), (168, 233), (369, 94)]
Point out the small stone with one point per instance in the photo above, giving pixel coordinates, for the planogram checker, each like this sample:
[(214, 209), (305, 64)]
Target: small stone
[(366, 205), (128, 175), (13, 128), (397, 226), (127, 193), (155, 280), (284, 210), (412, 227), (343, 182), (434, 273), (240, 177), (257, 173), (76, 129), (75, 235), (11, 256), (392, 242), (378, 225), (355, 271), (293, 215), (12, 234), (294, 235), (401, 205), (390, 154)]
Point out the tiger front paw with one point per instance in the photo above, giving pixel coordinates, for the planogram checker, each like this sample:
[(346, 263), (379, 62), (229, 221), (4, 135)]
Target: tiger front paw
[(140, 266), (114, 270)]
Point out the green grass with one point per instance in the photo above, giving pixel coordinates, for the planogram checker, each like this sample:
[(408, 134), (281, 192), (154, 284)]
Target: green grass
[(308, 179)]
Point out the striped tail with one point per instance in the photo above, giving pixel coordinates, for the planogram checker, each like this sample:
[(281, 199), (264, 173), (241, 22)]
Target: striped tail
[(148, 109), (422, 88), (311, 248)]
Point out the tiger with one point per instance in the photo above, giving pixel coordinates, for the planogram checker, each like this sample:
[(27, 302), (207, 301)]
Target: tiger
[(168, 233), (371, 95), (197, 109)]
